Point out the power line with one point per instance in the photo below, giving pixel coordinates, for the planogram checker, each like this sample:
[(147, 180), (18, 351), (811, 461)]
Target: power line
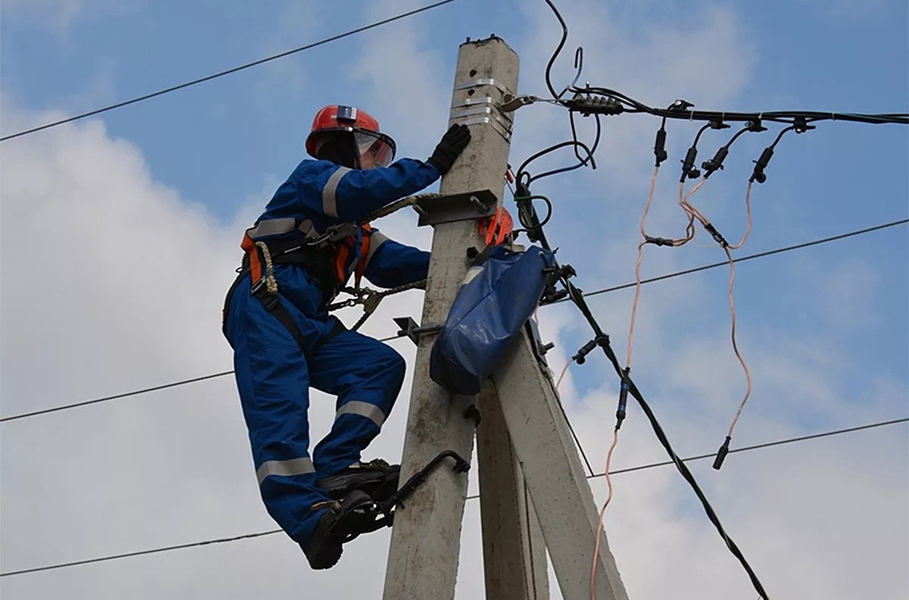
[(395, 337), (473, 497), (228, 71), (115, 397), (750, 257), (140, 553)]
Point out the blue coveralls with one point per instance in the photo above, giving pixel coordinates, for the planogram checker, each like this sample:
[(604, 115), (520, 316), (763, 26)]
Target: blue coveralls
[(273, 376)]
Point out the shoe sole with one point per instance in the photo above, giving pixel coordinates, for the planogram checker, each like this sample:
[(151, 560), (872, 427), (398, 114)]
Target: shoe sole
[(380, 486), (327, 558)]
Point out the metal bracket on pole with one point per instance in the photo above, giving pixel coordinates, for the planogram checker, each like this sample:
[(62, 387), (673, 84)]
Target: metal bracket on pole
[(410, 328), (482, 107), (457, 207)]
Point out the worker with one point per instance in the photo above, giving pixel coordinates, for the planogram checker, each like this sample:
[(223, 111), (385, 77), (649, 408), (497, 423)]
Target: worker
[(301, 251)]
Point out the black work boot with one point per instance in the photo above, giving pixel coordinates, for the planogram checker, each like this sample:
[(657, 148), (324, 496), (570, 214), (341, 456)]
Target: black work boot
[(324, 550), (342, 522), (377, 478)]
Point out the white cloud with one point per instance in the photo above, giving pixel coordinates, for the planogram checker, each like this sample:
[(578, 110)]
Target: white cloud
[(122, 287), (112, 281)]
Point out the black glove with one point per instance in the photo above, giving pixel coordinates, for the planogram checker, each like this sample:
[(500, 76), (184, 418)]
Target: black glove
[(450, 147)]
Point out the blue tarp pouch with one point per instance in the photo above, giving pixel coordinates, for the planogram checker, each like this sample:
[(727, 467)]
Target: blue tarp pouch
[(495, 300)]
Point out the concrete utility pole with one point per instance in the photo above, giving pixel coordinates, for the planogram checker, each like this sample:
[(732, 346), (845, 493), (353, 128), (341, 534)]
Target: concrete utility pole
[(531, 478), (423, 559)]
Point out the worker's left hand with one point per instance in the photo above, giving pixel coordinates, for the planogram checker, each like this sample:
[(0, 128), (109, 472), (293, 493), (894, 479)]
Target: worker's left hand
[(450, 147)]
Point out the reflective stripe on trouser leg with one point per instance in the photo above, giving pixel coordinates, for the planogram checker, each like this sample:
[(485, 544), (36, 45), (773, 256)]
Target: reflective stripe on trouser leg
[(284, 468), (364, 409), (366, 375), (273, 382)]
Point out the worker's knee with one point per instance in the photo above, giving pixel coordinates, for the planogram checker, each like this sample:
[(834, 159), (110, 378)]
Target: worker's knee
[(392, 366)]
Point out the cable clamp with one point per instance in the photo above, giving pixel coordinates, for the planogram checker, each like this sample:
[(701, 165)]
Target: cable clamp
[(512, 103)]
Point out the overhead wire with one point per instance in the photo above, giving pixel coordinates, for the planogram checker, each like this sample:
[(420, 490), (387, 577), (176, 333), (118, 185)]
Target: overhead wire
[(647, 466), (627, 385), (574, 435), (607, 290), (228, 71), (588, 100), (746, 258)]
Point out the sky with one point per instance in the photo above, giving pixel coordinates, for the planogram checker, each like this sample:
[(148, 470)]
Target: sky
[(119, 235)]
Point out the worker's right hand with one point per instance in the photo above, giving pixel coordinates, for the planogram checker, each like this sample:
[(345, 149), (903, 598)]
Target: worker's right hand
[(450, 147)]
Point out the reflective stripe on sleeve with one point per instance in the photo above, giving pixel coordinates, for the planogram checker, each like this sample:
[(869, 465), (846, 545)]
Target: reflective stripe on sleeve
[(284, 468), (329, 200), (363, 409), (272, 227), (375, 240)]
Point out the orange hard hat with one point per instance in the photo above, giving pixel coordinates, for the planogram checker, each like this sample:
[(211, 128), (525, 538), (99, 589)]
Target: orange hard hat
[(363, 128)]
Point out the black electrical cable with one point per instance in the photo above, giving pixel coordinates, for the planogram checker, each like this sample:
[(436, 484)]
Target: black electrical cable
[(228, 71), (558, 51), (471, 497), (628, 386), (587, 294), (664, 441), (575, 143), (582, 162), (689, 168), (761, 163), (584, 105)]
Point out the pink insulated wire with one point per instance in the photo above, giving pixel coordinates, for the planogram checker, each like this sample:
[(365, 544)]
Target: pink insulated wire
[(596, 547), (735, 346), (637, 268)]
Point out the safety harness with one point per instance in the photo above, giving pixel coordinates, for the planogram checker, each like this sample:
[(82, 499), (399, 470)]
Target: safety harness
[(326, 257)]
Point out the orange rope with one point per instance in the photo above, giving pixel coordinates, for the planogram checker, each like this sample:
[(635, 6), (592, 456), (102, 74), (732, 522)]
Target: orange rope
[(596, 547)]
